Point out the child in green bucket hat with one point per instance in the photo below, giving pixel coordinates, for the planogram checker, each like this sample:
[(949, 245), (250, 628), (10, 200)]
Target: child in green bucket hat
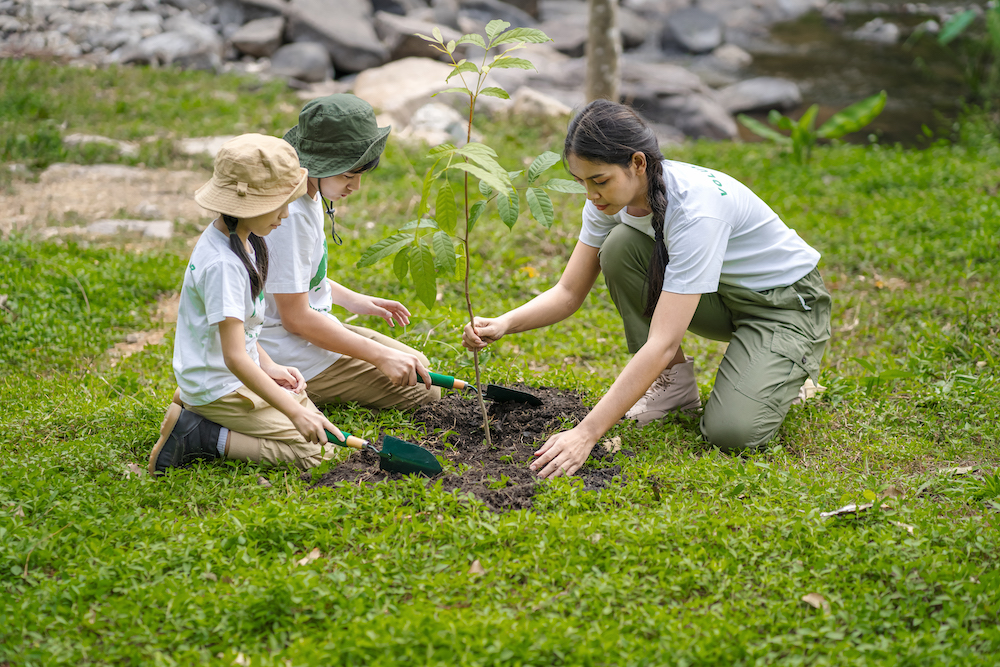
[(337, 140)]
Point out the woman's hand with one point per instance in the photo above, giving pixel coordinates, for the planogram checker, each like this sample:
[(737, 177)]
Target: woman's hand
[(484, 332), (314, 425), (287, 377), (563, 453), (390, 311)]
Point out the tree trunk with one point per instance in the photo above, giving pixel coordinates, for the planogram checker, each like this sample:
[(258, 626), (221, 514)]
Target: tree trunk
[(604, 50)]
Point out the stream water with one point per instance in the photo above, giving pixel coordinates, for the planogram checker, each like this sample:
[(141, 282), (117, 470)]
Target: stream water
[(834, 70)]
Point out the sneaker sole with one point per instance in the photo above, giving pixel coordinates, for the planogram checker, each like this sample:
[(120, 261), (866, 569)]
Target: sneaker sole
[(166, 428)]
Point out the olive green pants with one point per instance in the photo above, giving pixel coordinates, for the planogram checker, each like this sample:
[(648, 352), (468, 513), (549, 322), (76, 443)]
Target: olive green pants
[(776, 340)]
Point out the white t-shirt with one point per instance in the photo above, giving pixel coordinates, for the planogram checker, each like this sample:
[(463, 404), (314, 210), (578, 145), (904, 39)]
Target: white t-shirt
[(297, 259), (216, 286), (716, 231)]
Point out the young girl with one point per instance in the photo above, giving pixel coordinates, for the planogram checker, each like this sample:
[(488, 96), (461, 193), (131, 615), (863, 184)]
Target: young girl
[(682, 248), (337, 140), (232, 400)]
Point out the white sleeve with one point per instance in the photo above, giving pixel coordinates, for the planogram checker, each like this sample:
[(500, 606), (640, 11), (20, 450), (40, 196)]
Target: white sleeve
[(289, 257), (695, 252), (596, 226), (225, 288)]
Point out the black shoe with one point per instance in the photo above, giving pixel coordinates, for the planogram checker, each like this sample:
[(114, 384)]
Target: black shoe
[(184, 437)]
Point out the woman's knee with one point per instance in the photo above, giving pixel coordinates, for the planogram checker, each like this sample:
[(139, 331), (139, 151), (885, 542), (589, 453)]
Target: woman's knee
[(624, 251), (734, 435)]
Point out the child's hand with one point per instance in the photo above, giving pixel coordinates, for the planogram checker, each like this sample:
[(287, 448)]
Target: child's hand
[(314, 425), (390, 311), (288, 377)]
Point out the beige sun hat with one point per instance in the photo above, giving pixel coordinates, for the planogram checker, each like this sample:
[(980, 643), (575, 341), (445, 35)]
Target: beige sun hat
[(254, 174)]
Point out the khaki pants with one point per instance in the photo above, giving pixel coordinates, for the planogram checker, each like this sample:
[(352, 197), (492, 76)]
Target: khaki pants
[(349, 380), (261, 432), (776, 340)]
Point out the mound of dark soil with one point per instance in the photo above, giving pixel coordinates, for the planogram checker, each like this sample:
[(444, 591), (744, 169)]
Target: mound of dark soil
[(499, 475)]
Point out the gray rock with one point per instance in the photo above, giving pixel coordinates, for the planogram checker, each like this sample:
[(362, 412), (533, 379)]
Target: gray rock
[(398, 34), (694, 29), (10, 24), (203, 145), (146, 24), (879, 31), (445, 13), (173, 48), (344, 27), (401, 87), (732, 57), (305, 61), (569, 34), (126, 148), (696, 115), (763, 92), (263, 9), (484, 11), (259, 38), (531, 103)]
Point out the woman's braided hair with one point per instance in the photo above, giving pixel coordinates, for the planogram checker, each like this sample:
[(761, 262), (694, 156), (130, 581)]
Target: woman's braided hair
[(612, 133)]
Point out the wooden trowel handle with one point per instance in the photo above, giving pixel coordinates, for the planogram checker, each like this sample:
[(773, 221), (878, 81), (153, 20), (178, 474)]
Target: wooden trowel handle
[(353, 441)]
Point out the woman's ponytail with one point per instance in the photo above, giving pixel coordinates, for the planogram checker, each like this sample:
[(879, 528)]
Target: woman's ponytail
[(613, 133), (257, 272)]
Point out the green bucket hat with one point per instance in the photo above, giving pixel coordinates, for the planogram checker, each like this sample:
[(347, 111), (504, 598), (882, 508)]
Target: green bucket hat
[(337, 133)]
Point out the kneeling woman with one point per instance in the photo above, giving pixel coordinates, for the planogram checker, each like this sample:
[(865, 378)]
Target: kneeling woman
[(682, 248)]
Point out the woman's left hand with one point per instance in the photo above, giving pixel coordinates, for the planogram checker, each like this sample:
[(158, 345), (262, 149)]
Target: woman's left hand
[(563, 454), (390, 311), (287, 377)]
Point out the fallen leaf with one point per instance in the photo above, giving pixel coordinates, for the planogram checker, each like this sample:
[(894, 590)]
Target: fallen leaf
[(962, 470), (847, 509), (816, 601), (905, 526), (892, 492), (263, 481), (19, 512), (981, 364), (241, 660), (595, 538), (133, 469), (210, 576), (310, 557), (612, 445), (476, 567)]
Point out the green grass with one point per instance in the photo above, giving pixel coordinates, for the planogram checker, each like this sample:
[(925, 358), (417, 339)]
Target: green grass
[(694, 558)]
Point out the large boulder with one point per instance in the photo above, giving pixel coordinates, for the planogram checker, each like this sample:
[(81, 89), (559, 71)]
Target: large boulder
[(763, 92), (694, 29), (259, 38), (185, 42), (302, 61), (344, 27), (399, 35), (401, 87)]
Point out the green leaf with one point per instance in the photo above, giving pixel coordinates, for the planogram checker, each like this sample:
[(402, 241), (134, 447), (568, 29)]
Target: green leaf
[(807, 122), (462, 66), (422, 223), (437, 35), (541, 163), (472, 38), (383, 248), (450, 47), (401, 265), (486, 190), (475, 212), (508, 62), (540, 205), (424, 275), (511, 175), (854, 117), (488, 163), (493, 180), (493, 91), (780, 121), (760, 129), (564, 185), (955, 26), (445, 211), (429, 39), (425, 191), (439, 150), (509, 207), (495, 27), (474, 148), (465, 91), (444, 253), (530, 35)]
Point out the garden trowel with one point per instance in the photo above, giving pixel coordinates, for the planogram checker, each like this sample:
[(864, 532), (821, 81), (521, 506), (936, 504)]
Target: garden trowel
[(493, 392), (396, 455)]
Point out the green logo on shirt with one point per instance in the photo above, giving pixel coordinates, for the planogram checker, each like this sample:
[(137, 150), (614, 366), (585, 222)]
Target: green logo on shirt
[(320, 276), (192, 267)]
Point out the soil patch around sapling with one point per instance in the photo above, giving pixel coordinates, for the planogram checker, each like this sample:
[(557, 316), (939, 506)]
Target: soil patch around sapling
[(499, 475)]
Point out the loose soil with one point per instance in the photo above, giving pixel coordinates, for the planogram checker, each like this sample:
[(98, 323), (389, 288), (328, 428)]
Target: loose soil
[(499, 475)]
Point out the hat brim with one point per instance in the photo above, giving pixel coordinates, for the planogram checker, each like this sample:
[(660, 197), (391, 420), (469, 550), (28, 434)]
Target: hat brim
[(322, 165), (213, 196)]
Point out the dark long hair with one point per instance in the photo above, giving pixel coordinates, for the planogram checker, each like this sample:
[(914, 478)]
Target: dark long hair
[(258, 271), (612, 133)]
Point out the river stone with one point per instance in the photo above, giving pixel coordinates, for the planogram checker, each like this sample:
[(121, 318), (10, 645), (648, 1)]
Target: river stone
[(262, 9), (697, 115), (531, 103), (259, 38), (694, 29), (484, 11), (399, 35), (763, 92), (879, 31), (401, 87), (445, 13), (304, 61), (732, 56), (344, 27), (186, 43)]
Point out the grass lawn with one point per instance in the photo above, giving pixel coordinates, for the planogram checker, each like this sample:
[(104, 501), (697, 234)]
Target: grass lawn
[(694, 557)]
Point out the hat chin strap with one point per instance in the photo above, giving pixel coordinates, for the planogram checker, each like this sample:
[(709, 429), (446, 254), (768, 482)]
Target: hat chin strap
[(331, 212)]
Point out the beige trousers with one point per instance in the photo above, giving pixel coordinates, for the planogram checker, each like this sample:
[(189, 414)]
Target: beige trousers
[(260, 432), (349, 380)]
